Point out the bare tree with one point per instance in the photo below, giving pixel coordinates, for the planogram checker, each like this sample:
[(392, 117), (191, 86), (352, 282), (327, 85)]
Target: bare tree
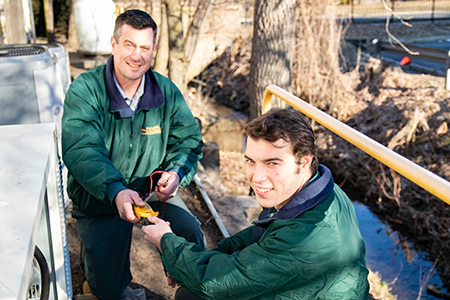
[(13, 31), (176, 65), (72, 40), (272, 50), (317, 75), (181, 44), (49, 20)]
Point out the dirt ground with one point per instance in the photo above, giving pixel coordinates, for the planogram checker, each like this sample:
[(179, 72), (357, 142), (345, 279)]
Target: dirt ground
[(411, 109)]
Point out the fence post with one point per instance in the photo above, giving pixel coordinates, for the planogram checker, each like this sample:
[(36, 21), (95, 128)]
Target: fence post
[(393, 9), (447, 79), (351, 13), (432, 10)]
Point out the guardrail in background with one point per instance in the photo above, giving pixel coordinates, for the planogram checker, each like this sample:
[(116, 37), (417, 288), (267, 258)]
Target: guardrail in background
[(431, 54), (420, 176)]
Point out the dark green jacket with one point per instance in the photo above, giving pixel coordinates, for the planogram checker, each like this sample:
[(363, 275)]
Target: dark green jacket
[(107, 147), (310, 249)]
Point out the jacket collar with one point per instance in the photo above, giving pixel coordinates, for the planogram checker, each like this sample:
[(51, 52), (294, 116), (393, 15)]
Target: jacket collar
[(305, 199), (152, 97)]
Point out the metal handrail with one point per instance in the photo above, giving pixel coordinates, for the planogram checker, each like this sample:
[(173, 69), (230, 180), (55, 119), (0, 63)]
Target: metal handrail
[(420, 176)]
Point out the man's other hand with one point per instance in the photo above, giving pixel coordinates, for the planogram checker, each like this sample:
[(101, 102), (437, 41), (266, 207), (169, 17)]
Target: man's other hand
[(167, 185), (155, 231)]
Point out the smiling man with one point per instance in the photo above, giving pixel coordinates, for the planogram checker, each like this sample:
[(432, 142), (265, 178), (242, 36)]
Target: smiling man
[(306, 242), (127, 136)]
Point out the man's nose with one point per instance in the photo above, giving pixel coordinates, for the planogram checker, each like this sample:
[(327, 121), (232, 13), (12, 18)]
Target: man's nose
[(260, 174), (136, 53)]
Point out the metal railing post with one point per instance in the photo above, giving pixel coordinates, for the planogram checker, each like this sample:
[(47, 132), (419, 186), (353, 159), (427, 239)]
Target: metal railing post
[(420, 176)]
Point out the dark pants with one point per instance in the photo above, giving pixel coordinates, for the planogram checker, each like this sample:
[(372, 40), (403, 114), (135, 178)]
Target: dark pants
[(185, 294), (107, 240)]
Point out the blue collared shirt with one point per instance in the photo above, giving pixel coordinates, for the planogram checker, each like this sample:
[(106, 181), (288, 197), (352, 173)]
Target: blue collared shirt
[(132, 102)]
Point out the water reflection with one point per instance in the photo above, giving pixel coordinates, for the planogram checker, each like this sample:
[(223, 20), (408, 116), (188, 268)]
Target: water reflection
[(397, 263), (228, 130)]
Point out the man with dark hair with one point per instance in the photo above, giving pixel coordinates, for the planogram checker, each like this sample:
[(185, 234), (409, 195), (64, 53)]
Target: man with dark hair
[(127, 136), (306, 243)]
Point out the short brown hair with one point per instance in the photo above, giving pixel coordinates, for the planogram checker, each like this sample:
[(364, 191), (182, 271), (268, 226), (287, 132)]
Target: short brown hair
[(137, 19), (289, 125)]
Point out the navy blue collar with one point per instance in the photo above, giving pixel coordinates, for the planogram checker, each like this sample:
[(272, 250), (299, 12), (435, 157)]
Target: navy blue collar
[(304, 200), (152, 97)]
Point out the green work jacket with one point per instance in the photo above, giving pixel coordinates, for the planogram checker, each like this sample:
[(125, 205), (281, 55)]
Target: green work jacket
[(107, 147), (310, 249)]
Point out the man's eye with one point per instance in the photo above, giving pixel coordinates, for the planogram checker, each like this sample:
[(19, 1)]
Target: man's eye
[(273, 163), (249, 161)]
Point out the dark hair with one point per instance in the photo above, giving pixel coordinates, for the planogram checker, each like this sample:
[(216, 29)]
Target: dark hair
[(289, 125), (137, 19)]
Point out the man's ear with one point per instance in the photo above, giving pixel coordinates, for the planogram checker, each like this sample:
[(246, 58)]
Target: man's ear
[(306, 161), (113, 43)]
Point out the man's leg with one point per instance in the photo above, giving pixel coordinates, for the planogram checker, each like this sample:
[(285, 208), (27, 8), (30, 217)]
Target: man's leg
[(185, 294), (106, 254), (182, 222)]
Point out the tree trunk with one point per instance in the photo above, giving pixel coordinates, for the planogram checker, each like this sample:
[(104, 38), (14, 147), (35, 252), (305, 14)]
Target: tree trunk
[(49, 20), (162, 54), (72, 39), (177, 63), (14, 23), (176, 46), (272, 50), (193, 33)]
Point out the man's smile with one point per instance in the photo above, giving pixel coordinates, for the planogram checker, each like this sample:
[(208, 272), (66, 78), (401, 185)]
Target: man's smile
[(134, 65), (261, 190)]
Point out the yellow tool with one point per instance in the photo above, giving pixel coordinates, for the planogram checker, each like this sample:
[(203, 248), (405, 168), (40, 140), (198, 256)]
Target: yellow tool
[(143, 213)]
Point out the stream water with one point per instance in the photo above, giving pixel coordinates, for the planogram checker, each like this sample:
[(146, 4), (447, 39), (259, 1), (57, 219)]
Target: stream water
[(405, 270)]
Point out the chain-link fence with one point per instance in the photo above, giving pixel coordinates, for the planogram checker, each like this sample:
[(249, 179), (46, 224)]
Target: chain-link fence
[(360, 11)]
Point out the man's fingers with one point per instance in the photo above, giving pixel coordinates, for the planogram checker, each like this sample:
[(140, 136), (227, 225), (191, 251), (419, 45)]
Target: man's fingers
[(153, 220), (138, 200), (168, 178)]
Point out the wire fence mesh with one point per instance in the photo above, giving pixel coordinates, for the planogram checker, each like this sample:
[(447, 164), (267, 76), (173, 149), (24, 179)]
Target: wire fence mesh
[(364, 11)]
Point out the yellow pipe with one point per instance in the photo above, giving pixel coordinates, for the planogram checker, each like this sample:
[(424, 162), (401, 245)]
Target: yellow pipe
[(420, 176)]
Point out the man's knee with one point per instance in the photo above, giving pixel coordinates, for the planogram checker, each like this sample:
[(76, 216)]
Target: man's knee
[(107, 292), (185, 224), (185, 294), (193, 232)]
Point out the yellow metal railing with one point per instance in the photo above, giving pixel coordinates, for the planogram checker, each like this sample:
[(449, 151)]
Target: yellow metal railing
[(420, 176)]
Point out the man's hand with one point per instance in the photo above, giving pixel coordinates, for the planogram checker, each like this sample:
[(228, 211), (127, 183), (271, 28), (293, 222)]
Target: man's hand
[(124, 201), (167, 185), (155, 231)]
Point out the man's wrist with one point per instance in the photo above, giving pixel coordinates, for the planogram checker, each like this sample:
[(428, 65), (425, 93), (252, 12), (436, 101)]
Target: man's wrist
[(113, 189), (179, 171)]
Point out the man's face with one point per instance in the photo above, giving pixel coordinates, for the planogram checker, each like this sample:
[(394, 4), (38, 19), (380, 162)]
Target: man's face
[(133, 53), (273, 173)]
